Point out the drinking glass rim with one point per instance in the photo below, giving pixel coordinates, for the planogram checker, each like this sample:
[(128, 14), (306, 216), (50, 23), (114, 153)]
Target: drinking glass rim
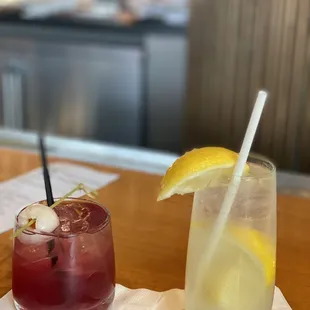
[(267, 163), (38, 232)]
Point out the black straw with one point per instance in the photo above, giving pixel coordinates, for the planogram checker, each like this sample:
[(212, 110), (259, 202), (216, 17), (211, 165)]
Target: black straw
[(46, 175), (49, 194)]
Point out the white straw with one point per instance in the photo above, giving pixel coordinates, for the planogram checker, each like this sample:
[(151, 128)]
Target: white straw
[(233, 187)]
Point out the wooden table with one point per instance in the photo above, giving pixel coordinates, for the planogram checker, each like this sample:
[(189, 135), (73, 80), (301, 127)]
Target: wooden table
[(151, 238)]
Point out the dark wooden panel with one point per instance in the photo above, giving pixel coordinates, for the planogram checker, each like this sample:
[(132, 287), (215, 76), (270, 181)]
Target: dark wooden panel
[(298, 87), (229, 64), (258, 58), (284, 80), (248, 45), (193, 122), (272, 69), (242, 74), (304, 124), (211, 69)]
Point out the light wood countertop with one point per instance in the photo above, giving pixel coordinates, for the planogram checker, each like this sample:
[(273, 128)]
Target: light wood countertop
[(151, 238)]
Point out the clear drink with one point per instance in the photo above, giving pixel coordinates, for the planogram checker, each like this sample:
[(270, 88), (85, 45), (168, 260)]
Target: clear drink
[(241, 273), (73, 268)]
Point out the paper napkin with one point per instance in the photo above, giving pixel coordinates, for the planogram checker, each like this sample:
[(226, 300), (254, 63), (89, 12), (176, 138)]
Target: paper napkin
[(64, 177), (143, 299)]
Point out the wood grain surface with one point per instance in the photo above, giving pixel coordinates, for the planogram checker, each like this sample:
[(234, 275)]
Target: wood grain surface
[(151, 238), (237, 47)]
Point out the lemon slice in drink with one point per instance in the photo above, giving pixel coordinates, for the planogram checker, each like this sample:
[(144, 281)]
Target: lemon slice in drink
[(197, 169), (242, 273), (257, 246)]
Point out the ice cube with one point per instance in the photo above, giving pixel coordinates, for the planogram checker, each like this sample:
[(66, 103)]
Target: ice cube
[(73, 217), (30, 252)]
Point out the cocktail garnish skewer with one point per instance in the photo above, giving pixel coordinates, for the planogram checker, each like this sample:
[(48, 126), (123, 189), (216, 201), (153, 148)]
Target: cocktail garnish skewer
[(81, 187)]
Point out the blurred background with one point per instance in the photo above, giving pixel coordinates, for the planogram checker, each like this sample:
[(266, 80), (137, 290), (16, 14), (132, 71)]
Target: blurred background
[(165, 75)]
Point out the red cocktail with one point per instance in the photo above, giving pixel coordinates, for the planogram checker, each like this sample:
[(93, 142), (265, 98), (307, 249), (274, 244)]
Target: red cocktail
[(69, 268)]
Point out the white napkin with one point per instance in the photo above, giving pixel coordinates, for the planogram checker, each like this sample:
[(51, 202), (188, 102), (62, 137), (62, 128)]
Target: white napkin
[(64, 177), (142, 299)]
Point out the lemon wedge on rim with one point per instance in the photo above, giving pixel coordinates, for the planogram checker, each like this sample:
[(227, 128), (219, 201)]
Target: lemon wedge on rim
[(197, 169)]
